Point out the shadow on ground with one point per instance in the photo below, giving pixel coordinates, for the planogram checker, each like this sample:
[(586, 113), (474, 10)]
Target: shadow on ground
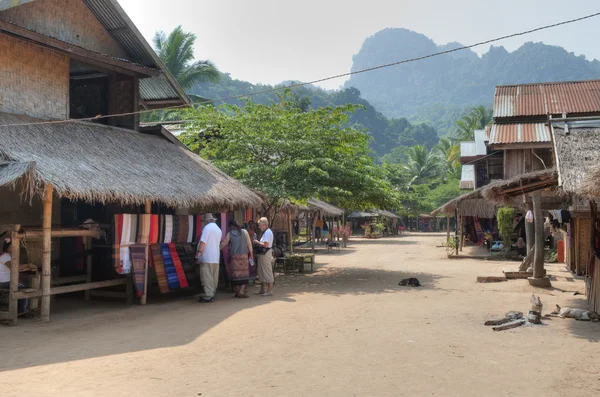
[(83, 330)]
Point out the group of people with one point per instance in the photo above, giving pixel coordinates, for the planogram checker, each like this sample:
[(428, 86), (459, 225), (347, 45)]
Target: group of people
[(245, 252)]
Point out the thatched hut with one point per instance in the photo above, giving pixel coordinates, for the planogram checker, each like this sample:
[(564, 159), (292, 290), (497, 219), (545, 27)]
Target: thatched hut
[(75, 167), (503, 192)]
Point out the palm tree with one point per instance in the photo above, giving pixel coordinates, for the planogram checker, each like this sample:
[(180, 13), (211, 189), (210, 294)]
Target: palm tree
[(479, 117), (176, 50), (450, 154), (422, 164)]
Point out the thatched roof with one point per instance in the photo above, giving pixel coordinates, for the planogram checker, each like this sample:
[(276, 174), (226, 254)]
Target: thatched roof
[(95, 163), (469, 204), (387, 214), (577, 149), (362, 214), (501, 192), (325, 208), (589, 187)]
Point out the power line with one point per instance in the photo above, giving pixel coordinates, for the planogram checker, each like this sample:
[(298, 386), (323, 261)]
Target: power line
[(295, 85)]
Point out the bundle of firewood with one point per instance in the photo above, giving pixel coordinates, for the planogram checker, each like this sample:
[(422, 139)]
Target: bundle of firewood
[(515, 319)]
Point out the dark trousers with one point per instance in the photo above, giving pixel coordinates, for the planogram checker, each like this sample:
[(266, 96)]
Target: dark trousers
[(23, 304)]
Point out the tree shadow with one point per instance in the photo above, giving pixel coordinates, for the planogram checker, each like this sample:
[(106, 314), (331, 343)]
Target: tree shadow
[(98, 328)]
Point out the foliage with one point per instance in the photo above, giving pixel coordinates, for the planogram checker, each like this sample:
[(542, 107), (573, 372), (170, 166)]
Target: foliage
[(505, 216), (450, 153), (423, 164), (479, 117), (373, 230), (288, 153), (451, 245), (551, 256), (176, 50)]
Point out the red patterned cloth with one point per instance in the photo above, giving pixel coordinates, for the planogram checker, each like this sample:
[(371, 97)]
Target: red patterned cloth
[(178, 266)]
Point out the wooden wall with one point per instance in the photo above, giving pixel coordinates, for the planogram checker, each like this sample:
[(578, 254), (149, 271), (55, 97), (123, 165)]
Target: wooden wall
[(582, 244), (67, 20), (34, 80), (521, 161)]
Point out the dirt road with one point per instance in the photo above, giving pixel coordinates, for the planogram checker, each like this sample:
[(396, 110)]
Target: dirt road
[(346, 330)]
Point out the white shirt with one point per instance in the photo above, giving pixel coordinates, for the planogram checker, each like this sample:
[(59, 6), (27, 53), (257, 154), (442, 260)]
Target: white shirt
[(211, 236), (4, 270), (268, 237)]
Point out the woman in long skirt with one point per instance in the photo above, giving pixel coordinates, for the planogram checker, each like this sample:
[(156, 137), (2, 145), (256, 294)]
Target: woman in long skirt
[(240, 252)]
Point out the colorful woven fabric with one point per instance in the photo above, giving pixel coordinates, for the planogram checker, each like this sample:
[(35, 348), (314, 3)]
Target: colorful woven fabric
[(126, 231), (116, 243), (178, 266), (125, 258), (159, 267), (161, 229), (170, 271), (138, 264), (133, 233), (183, 228), (188, 262), (143, 233), (153, 233), (168, 229)]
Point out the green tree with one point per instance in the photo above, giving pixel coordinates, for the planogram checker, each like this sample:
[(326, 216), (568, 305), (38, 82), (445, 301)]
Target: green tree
[(477, 119), (423, 164), (450, 153), (287, 153), (176, 50)]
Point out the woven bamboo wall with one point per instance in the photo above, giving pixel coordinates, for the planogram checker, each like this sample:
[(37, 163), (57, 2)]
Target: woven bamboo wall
[(67, 20), (582, 244), (34, 80)]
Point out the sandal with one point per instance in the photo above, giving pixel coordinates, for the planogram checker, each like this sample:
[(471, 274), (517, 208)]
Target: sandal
[(245, 295)]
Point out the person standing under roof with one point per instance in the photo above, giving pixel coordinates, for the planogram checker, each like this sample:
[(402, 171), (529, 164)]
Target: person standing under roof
[(265, 266)]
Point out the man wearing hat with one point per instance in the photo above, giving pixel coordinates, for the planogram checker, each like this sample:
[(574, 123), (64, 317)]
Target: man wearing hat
[(265, 267), (208, 257)]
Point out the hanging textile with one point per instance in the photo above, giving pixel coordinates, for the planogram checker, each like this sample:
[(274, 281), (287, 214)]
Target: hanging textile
[(248, 215), (161, 229), (239, 217), (182, 229), (138, 264), (529, 217), (178, 266), (170, 271), (153, 232), (125, 234), (125, 265), (159, 267), (188, 263), (168, 229), (116, 243), (190, 234)]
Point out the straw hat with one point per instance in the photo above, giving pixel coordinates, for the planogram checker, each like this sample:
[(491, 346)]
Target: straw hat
[(208, 218)]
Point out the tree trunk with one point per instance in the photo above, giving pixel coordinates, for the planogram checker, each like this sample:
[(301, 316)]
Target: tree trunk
[(46, 253), (538, 259), (594, 215)]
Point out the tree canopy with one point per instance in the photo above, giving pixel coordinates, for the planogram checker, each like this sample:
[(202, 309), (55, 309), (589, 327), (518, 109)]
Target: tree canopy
[(286, 152)]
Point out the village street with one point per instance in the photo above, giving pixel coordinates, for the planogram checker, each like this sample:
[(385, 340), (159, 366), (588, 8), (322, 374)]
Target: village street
[(346, 330)]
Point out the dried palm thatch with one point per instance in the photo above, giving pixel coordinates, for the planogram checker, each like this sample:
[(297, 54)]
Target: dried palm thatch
[(96, 163), (325, 208), (452, 205), (577, 151), (589, 187), (502, 192), (387, 214)]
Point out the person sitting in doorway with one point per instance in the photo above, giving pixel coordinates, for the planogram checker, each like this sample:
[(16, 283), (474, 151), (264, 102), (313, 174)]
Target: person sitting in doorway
[(5, 258)]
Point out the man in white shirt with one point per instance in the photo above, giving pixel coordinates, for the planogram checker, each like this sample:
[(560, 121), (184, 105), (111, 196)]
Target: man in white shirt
[(208, 257), (265, 266)]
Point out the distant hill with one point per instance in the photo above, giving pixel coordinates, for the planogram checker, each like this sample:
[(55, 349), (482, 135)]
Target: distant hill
[(426, 90)]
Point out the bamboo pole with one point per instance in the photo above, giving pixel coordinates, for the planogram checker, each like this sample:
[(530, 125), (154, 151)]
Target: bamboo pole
[(315, 217), (46, 253), (462, 232), (14, 275), (447, 228), (88, 265), (144, 298), (291, 240), (529, 231)]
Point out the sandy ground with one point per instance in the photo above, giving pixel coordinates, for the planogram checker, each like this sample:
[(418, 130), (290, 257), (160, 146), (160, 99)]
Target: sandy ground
[(346, 330)]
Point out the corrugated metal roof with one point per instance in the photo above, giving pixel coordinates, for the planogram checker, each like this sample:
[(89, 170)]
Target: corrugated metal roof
[(519, 133), (467, 149), (547, 98), (467, 178), (156, 89)]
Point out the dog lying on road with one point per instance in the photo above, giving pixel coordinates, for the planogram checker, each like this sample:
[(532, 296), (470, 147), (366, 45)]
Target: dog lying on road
[(577, 314), (410, 282)]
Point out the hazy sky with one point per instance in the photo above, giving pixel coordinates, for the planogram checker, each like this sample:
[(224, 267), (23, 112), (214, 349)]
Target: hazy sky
[(269, 41)]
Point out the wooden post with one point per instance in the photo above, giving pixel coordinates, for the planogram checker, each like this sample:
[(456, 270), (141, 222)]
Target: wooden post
[(88, 265), (462, 232), (46, 253), (315, 217), (538, 278), (592, 256), (529, 231), (447, 228), (14, 275), (291, 240), (148, 210)]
